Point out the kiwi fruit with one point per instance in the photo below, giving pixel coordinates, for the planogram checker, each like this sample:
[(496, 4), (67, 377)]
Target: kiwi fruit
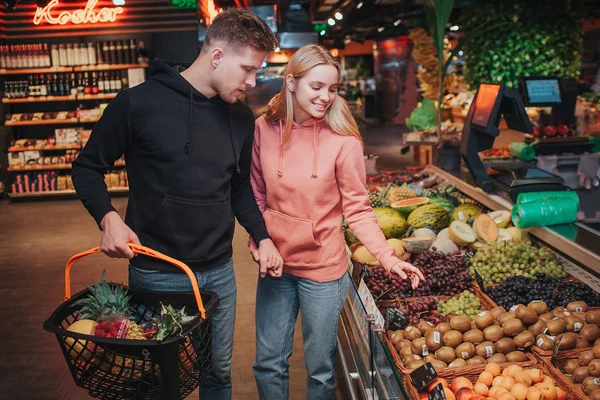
[(408, 359), (586, 358), (476, 360), (443, 327), (544, 342), (516, 356), (403, 343), (419, 346), (582, 344), (590, 332), (433, 340), (571, 366), (497, 311), (538, 327), (473, 325), (497, 358), (429, 357), (577, 306), (580, 373), (465, 351), (504, 317), (590, 384), (459, 362), (593, 317), (512, 327), (558, 312), (556, 327), (484, 319), (505, 345), (580, 315), (493, 333), (411, 333), (424, 326), (485, 349), (474, 336), (446, 354), (460, 323), (574, 324), (596, 350), (546, 317), (568, 341), (438, 365), (595, 395), (452, 338), (406, 351), (594, 367), (527, 315), (539, 307), (395, 335), (415, 364), (524, 339)]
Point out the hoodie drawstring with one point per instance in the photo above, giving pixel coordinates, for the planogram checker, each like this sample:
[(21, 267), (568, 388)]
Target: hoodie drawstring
[(315, 150), (237, 163), (188, 143)]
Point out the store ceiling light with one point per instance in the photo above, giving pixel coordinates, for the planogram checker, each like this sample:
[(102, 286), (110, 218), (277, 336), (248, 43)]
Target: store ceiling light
[(397, 22), (359, 5), (331, 21), (338, 15), (322, 33), (454, 28), (380, 29)]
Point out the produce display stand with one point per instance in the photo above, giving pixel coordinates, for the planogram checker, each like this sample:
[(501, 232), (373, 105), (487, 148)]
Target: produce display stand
[(371, 364)]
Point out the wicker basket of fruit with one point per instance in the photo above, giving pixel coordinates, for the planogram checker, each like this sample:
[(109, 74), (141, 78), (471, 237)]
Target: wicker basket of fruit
[(121, 343), (581, 371)]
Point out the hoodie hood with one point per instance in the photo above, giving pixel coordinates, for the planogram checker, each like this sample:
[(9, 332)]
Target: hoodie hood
[(316, 125), (168, 73)]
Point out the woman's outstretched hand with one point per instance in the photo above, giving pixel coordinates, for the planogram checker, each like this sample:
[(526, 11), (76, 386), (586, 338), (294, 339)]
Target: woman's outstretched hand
[(405, 270)]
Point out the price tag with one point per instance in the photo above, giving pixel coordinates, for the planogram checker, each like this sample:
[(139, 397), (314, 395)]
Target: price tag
[(557, 347), (423, 376), (437, 393), (370, 306), (395, 319), (479, 280), (364, 275)]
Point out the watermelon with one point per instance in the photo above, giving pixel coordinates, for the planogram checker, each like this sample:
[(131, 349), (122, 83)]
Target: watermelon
[(461, 213), (429, 215), (444, 203), (391, 222), (409, 205)]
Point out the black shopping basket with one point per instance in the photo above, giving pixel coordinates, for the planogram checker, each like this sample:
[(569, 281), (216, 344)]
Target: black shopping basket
[(138, 369)]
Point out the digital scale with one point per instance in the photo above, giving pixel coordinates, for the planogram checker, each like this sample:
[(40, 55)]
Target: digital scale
[(491, 102)]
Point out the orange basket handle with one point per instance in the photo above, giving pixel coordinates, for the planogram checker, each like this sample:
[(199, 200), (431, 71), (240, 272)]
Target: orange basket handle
[(138, 249)]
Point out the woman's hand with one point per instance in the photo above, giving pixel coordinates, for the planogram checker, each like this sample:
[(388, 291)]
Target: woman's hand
[(404, 270)]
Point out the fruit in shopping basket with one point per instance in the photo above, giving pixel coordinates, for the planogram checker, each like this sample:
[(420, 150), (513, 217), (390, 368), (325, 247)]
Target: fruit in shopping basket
[(493, 333), (409, 205), (590, 332), (505, 345), (419, 347), (103, 300), (476, 360), (417, 245), (577, 306), (544, 342), (539, 307), (497, 358), (594, 368), (580, 373), (526, 315), (463, 212), (586, 358), (581, 343), (465, 351), (590, 384), (445, 354), (429, 215), (593, 317), (460, 323), (474, 336), (516, 356), (438, 365), (596, 351), (512, 327), (538, 327), (461, 233), (484, 319), (485, 228), (570, 366), (524, 339), (84, 327), (556, 327), (574, 324), (443, 327), (415, 364), (452, 338), (569, 341), (391, 222), (411, 333), (135, 332), (485, 349)]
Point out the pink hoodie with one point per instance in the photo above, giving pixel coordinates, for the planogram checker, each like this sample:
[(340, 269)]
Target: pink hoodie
[(304, 194)]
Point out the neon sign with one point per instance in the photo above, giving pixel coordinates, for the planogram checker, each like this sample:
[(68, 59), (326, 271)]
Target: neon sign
[(86, 15)]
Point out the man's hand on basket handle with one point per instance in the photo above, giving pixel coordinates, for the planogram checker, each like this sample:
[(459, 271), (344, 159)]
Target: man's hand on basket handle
[(115, 237)]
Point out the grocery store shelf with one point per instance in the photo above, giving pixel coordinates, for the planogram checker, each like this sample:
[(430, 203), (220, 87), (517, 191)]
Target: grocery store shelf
[(119, 164), (82, 68), (92, 120), (43, 122), (38, 167), (60, 193), (99, 96), (49, 99), (14, 149)]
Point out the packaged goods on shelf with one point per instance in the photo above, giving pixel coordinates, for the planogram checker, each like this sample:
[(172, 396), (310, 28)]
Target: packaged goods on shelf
[(33, 182), (68, 136)]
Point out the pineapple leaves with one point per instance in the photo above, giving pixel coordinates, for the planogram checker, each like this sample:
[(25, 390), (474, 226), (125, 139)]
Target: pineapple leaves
[(104, 299)]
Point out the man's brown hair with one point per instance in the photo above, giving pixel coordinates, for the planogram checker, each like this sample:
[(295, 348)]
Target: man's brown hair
[(241, 28)]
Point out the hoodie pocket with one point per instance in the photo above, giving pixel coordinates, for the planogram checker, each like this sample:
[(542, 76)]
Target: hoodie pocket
[(293, 237), (190, 231)]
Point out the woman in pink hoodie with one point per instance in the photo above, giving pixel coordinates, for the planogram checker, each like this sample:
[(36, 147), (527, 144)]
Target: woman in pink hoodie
[(308, 172)]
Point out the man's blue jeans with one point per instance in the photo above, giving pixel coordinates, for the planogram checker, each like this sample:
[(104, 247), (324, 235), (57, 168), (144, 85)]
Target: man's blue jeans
[(277, 304), (219, 279)]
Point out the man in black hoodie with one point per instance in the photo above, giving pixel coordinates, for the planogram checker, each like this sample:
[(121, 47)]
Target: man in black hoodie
[(187, 143)]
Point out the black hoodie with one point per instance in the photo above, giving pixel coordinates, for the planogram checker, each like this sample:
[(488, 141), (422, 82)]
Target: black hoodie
[(188, 165)]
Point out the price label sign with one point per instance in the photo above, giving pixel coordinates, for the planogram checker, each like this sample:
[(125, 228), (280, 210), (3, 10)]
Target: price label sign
[(437, 393), (423, 376), (556, 348), (395, 319), (479, 280)]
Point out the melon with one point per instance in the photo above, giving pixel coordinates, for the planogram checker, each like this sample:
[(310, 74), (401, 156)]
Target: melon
[(444, 203), (363, 256), (504, 234), (444, 234), (445, 246), (462, 213), (485, 228), (501, 218), (417, 244), (518, 235), (424, 232), (79, 348), (391, 222), (397, 245), (409, 205), (429, 215), (461, 233)]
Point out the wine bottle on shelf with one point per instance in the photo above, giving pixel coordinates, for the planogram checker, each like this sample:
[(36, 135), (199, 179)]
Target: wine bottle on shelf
[(112, 55), (118, 82), (119, 52), (43, 87), (91, 50), (142, 54), (46, 56), (95, 88), (133, 51), (113, 83), (73, 85), (83, 54), (126, 53), (62, 55), (80, 84), (124, 80), (66, 85), (55, 57), (53, 86), (87, 84), (101, 82), (70, 55), (105, 53)]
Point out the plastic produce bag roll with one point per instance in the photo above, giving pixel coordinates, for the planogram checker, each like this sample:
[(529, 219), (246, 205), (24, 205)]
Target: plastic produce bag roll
[(535, 196), (545, 212), (522, 151)]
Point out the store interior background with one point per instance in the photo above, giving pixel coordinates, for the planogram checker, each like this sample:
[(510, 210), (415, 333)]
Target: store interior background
[(37, 237)]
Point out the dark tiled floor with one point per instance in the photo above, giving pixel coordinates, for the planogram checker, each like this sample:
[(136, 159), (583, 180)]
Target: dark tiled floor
[(36, 240)]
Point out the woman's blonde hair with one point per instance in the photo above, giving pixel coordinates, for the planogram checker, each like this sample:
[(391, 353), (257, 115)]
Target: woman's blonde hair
[(338, 116)]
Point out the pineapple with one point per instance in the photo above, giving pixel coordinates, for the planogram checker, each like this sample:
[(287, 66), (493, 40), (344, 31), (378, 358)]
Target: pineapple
[(376, 200), (134, 331), (395, 194), (103, 301)]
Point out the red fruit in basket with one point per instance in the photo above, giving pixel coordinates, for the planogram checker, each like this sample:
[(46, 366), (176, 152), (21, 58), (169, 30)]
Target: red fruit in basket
[(537, 132), (550, 130), (562, 130)]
